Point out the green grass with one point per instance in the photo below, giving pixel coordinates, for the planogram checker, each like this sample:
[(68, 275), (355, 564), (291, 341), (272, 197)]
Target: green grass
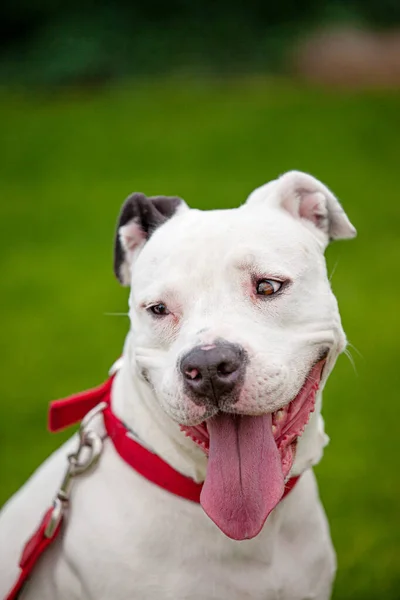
[(67, 163)]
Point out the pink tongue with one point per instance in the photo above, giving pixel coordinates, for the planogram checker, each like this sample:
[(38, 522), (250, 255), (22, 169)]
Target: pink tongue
[(244, 479)]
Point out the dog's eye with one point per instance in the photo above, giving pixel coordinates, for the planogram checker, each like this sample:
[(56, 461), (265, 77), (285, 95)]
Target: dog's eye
[(267, 287), (159, 309)]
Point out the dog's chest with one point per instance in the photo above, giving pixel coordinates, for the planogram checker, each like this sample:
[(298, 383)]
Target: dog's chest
[(179, 564), (133, 540)]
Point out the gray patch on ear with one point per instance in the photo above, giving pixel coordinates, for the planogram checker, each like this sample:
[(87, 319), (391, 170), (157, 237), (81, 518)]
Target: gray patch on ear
[(148, 213)]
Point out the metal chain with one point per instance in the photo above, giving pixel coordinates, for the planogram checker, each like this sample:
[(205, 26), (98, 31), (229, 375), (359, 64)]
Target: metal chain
[(91, 445)]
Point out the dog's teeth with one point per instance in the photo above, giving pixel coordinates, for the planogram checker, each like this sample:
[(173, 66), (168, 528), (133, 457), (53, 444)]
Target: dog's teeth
[(274, 429), (280, 415)]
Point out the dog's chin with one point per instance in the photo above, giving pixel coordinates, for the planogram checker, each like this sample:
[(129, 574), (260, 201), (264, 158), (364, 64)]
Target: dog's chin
[(250, 458)]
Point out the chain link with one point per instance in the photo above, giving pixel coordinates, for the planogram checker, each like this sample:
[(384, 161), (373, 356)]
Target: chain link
[(79, 462)]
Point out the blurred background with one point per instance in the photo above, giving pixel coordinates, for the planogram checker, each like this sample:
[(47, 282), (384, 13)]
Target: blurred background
[(207, 101)]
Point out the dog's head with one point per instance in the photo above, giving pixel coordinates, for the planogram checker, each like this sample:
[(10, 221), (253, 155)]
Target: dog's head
[(234, 326)]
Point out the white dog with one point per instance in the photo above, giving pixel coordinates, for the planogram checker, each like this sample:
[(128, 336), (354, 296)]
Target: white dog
[(234, 331)]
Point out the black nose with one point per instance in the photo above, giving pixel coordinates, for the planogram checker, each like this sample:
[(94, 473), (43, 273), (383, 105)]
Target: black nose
[(213, 371)]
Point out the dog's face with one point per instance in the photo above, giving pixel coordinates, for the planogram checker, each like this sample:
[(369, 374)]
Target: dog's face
[(231, 311)]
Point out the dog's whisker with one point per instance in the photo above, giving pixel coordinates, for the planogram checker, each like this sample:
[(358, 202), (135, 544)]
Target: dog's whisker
[(355, 349), (351, 359), (333, 270), (115, 314)]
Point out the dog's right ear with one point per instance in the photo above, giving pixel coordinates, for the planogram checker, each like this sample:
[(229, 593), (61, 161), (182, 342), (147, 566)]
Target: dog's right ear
[(139, 218), (309, 201)]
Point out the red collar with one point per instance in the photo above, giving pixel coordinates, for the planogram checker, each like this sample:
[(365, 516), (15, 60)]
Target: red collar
[(68, 411), (63, 413), (71, 410)]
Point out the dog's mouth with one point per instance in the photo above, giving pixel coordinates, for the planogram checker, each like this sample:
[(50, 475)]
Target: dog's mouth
[(249, 459)]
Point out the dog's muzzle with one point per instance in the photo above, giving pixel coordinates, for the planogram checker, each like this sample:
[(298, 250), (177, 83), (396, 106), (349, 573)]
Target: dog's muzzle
[(214, 373)]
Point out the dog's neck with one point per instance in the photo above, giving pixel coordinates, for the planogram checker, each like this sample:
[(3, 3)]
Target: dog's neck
[(134, 403)]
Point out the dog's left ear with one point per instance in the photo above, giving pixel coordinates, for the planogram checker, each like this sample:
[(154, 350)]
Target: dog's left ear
[(139, 218), (308, 200)]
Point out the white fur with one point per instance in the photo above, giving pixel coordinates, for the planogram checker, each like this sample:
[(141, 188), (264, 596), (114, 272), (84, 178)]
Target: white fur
[(128, 539)]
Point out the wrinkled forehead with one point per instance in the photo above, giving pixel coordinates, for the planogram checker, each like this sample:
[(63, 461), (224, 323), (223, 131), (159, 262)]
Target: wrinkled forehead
[(270, 243)]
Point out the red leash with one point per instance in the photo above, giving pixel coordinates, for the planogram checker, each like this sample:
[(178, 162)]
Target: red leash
[(33, 550), (71, 410)]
